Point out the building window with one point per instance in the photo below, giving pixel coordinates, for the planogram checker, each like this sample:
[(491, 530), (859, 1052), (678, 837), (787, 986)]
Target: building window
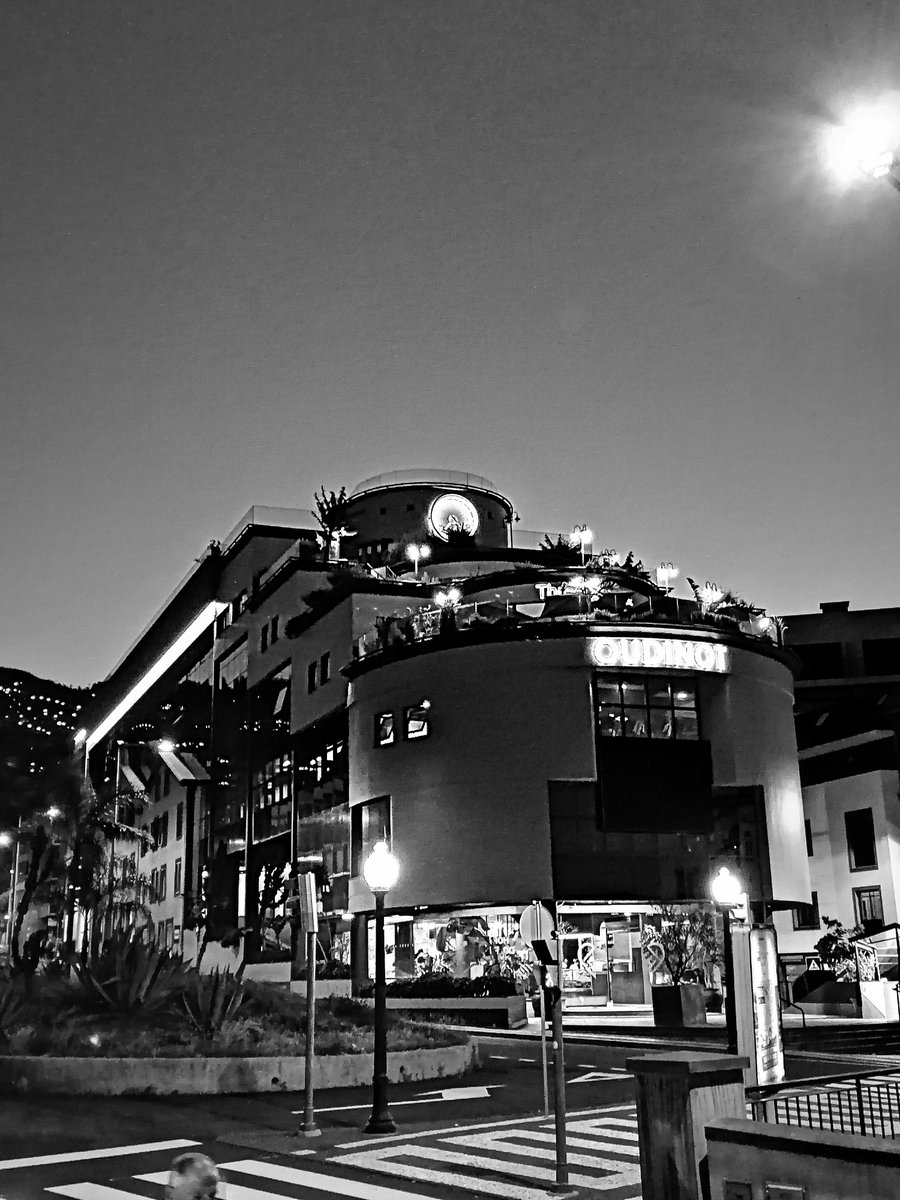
[(415, 721), (263, 638), (644, 707), (809, 842), (311, 677), (861, 839), (162, 882), (166, 781), (145, 839), (384, 729), (806, 916), (164, 830), (868, 908), (179, 822), (275, 633), (238, 605), (369, 823), (324, 668), (176, 880), (154, 885)]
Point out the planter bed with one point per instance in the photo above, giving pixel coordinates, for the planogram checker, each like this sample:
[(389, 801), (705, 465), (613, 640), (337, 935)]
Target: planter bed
[(42, 1074), (504, 1012)]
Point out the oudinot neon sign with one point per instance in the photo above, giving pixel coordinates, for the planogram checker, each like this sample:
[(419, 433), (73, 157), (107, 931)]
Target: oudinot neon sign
[(659, 652)]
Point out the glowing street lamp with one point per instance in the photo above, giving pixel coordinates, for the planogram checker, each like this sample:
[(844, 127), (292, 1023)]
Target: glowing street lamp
[(54, 813), (865, 145), (380, 871), (415, 553), (581, 536), (727, 892), (665, 573)]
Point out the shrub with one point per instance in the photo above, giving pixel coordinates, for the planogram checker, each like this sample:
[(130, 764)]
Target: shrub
[(130, 977), (438, 986), (12, 1008), (211, 1000)]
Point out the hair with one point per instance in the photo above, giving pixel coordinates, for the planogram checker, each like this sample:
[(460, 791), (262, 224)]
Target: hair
[(186, 1163)]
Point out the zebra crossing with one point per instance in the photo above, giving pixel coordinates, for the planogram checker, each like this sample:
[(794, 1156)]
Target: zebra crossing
[(245, 1179), (515, 1160)]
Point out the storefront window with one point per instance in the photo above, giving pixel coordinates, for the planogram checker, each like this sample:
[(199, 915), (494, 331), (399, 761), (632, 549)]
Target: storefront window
[(651, 707)]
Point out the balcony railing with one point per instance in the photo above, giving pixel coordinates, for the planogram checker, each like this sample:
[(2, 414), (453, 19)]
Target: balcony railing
[(431, 622), (866, 1103)]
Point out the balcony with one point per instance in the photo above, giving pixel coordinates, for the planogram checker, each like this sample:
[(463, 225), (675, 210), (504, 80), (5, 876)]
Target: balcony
[(556, 616)]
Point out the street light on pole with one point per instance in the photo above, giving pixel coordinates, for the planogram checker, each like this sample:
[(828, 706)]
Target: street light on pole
[(380, 871), (415, 553), (581, 536), (727, 893)]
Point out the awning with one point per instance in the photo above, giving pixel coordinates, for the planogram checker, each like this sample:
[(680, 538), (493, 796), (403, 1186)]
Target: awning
[(184, 767), (134, 780)]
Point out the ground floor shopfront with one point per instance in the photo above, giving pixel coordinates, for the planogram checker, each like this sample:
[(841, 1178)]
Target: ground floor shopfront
[(600, 946)]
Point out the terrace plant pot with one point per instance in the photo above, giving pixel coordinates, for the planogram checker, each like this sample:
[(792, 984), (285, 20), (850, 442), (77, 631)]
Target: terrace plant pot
[(679, 1007)]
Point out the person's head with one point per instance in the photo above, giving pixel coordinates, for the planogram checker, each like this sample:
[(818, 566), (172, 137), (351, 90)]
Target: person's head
[(193, 1177)]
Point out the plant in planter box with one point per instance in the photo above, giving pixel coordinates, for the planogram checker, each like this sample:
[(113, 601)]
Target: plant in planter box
[(680, 947), (835, 949)]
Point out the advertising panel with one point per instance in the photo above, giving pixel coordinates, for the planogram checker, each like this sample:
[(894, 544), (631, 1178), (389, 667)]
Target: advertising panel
[(757, 1007)]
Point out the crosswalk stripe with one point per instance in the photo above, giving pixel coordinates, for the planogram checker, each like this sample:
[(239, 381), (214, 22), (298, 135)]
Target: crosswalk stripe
[(507, 1190), (482, 1162), (316, 1180), (93, 1191), (504, 1145), (46, 1160), (576, 1143)]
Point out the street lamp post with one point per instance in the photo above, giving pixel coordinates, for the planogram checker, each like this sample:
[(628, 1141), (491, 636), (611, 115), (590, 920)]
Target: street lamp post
[(380, 871), (726, 893), (581, 536), (415, 553)]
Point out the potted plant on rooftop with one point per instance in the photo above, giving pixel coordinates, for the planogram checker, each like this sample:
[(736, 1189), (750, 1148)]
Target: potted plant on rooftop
[(680, 947)]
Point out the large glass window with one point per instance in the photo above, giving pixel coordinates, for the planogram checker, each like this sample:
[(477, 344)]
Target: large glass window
[(384, 729), (806, 916), (371, 823), (415, 721), (636, 706), (860, 830), (270, 792)]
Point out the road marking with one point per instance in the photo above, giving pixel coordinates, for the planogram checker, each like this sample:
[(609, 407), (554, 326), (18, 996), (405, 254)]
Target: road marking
[(512, 1160), (593, 1067), (528, 1060), (460, 1093), (46, 1160), (592, 1075), (438, 1131), (259, 1169), (95, 1191)]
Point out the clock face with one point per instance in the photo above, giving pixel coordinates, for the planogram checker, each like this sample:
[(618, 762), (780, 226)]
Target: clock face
[(452, 512)]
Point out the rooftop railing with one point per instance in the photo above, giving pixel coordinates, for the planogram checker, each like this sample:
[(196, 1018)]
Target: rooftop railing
[(423, 624), (866, 1103)]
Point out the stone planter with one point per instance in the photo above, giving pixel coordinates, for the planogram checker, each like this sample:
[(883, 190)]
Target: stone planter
[(274, 972), (504, 1012), (325, 988), (42, 1075), (678, 1007)]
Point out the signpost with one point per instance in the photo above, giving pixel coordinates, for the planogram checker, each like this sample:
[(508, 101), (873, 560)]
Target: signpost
[(537, 926), (309, 925)]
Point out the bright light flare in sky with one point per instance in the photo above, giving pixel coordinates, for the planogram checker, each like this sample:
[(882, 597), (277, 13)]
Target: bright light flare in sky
[(864, 144)]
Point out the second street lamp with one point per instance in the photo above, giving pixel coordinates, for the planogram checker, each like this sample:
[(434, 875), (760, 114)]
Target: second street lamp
[(380, 871), (726, 893)]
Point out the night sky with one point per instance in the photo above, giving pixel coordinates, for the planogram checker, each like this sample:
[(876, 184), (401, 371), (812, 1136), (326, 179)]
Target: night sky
[(586, 248)]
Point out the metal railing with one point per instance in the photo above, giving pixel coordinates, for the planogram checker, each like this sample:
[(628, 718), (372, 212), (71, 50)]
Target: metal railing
[(866, 1103)]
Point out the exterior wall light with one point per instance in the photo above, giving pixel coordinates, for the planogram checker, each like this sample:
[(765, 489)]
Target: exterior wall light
[(165, 746), (53, 812)]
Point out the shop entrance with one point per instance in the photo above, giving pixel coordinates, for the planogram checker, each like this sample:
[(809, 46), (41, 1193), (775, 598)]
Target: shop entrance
[(602, 960)]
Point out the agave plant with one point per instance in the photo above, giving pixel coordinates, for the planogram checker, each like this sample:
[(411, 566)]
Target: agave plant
[(12, 1006), (131, 978), (211, 1000)]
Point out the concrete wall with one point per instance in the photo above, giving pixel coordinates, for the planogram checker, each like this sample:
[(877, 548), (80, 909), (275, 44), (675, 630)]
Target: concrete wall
[(470, 817), (748, 718), (824, 1165)]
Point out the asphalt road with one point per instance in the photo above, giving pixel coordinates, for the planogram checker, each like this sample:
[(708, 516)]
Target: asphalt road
[(48, 1142)]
